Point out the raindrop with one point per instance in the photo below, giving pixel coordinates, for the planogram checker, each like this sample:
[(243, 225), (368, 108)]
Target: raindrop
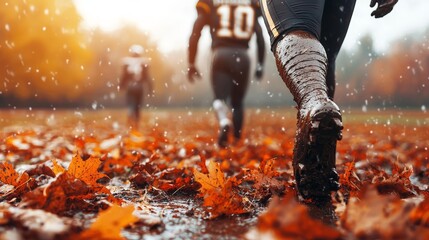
[(182, 153), (7, 27), (51, 120), (78, 114)]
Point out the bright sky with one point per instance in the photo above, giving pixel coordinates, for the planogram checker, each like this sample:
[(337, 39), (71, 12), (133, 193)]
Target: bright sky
[(169, 22)]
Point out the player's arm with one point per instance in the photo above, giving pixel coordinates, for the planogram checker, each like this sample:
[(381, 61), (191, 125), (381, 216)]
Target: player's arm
[(384, 7), (199, 24), (260, 41)]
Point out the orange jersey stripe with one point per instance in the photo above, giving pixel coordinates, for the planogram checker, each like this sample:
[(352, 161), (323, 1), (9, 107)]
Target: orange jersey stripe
[(204, 6)]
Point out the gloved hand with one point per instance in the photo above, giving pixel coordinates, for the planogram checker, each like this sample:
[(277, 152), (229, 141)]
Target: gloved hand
[(383, 8), (259, 71), (193, 74)]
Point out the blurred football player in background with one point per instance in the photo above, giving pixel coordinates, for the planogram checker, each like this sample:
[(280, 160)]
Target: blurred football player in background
[(135, 77), (232, 25)]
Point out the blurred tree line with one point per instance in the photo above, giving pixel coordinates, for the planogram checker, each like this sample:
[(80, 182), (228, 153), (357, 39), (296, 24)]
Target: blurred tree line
[(397, 78), (48, 60), (41, 51)]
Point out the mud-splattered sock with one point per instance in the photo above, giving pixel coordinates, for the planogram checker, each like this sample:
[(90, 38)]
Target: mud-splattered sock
[(302, 64)]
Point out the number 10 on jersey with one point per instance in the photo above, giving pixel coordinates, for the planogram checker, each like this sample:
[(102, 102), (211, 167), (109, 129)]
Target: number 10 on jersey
[(242, 23)]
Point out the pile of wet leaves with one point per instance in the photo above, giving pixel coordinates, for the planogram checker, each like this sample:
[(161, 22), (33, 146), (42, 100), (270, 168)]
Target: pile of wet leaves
[(84, 175)]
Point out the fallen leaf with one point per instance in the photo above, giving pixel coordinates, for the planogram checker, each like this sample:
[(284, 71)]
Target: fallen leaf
[(202, 164), (420, 214), (287, 219), (109, 223), (39, 224), (219, 195), (57, 168), (377, 216), (214, 179), (59, 195), (86, 170), (8, 174)]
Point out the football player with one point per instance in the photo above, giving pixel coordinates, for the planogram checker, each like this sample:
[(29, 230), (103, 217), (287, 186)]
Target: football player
[(306, 36), (232, 24), (135, 75)]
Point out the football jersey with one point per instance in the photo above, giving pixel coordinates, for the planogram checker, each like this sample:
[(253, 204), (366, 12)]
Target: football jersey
[(136, 71), (232, 22)]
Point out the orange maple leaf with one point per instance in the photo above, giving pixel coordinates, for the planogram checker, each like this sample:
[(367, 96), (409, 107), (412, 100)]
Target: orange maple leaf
[(86, 171), (213, 180), (219, 197), (8, 175), (109, 223)]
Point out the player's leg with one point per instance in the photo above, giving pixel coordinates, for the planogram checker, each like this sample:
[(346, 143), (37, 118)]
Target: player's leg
[(221, 87), (301, 60), (132, 106), (333, 33), (240, 72), (138, 105)]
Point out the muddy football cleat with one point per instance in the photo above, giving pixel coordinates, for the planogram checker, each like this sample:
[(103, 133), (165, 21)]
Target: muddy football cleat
[(315, 151), (225, 127)]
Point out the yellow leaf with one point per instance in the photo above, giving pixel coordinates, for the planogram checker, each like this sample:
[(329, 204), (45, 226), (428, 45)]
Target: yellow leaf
[(109, 223), (214, 179), (57, 168), (86, 171), (218, 193)]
